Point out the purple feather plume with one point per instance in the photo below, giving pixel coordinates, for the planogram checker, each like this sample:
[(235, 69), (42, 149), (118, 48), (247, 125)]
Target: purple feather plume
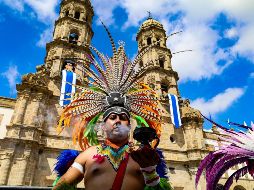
[(237, 174), (203, 164), (215, 177)]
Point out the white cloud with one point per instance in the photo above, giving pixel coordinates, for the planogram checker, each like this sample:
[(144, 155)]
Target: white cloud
[(44, 9), (14, 4), (196, 18), (244, 47), (252, 75), (137, 10), (219, 103), (202, 61), (45, 37), (231, 33), (104, 10), (12, 75)]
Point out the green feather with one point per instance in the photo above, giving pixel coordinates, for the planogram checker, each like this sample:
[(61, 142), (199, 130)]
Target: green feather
[(133, 89), (96, 89), (163, 185), (90, 133), (141, 121)]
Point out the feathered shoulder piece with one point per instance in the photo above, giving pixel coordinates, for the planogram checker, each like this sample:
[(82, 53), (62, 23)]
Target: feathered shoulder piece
[(113, 84), (237, 148)]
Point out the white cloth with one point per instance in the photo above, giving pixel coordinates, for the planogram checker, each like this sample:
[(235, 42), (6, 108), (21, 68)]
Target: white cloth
[(78, 166)]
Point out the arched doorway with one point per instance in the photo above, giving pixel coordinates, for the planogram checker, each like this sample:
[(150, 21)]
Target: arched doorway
[(239, 187)]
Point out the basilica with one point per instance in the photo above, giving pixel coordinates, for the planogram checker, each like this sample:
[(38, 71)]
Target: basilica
[(29, 143)]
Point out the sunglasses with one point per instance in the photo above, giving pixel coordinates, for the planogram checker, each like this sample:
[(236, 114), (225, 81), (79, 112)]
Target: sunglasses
[(122, 117)]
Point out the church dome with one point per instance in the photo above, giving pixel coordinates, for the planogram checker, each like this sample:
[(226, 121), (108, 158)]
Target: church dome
[(150, 22)]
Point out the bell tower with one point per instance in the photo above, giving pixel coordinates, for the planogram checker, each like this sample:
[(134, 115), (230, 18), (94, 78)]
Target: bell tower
[(182, 146), (164, 80), (27, 154), (72, 33)]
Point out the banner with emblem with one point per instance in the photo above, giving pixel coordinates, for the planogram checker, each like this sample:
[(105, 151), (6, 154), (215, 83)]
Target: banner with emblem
[(174, 110), (68, 87)]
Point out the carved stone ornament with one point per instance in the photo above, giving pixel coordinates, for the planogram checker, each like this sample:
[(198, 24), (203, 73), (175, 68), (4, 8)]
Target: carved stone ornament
[(151, 79), (189, 113), (40, 78)]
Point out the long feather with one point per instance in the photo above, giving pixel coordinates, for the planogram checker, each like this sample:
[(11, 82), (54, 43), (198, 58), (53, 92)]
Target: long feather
[(237, 174), (202, 166), (161, 168), (64, 161), (211, 184)]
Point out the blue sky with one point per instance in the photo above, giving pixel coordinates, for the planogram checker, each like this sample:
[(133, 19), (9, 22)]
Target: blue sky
[(217, 76)]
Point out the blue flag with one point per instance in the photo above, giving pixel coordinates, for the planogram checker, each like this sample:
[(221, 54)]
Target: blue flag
[(174, 110), (68, 87)]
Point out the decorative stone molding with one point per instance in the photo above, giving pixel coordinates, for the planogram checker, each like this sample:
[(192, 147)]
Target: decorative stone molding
[(40, 78), (7, 102), (189, 114), (24, 132)]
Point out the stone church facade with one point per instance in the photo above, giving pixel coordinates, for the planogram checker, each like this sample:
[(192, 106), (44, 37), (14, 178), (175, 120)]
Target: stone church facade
[(31, 144)]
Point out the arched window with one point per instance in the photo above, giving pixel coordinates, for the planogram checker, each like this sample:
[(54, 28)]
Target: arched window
[(164, 90), (77, 15), (157, 41), (67, 13), (149, 41), (239, 187), (161, 62), (73, 38)]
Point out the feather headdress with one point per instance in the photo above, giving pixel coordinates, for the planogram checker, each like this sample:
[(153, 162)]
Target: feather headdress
[(113, 85), (238, 148)]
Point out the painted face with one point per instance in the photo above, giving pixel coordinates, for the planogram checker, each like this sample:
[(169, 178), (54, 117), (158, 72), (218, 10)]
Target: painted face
[(117, 127)]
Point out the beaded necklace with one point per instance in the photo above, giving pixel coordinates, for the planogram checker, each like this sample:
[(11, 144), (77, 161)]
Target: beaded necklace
[(114, 156)]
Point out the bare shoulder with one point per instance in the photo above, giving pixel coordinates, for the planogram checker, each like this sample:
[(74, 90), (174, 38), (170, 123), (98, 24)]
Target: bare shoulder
[(86, 155)]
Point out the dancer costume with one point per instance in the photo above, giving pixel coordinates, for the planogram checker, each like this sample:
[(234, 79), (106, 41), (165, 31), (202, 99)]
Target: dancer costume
[(237, 148), (113, 86)]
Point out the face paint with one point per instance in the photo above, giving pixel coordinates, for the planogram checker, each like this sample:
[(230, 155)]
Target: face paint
[(117, 132)]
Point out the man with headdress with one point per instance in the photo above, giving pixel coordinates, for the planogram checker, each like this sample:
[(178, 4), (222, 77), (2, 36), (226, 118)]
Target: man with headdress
[(115, 94)]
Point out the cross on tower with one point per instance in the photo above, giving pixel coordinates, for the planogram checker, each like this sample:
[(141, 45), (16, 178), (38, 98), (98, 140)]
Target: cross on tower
[(149, 14)]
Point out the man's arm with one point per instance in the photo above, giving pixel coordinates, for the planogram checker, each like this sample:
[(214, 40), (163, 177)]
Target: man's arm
[(71, 178), (74, 174), (148, 158)]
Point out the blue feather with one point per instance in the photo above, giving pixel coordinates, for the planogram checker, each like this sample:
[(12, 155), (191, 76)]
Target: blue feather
[(64, 161), (161, 168)]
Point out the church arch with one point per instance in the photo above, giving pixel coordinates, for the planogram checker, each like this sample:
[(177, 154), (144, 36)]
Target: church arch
[(77, 15), (67, 12), (149, 41), (73, 36), (239, 187)]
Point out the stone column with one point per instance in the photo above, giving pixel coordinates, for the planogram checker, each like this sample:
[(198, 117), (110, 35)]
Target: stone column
[(37, 118), (23, 169), (20, 107), (20, 167), (5, 167)]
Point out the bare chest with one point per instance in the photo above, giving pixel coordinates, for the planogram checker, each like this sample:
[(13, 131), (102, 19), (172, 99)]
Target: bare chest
[(103, 175)]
